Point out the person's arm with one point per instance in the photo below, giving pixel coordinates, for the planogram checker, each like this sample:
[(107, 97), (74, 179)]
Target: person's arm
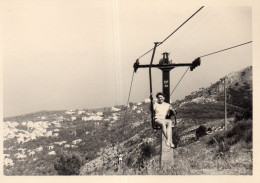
[(174, 111)]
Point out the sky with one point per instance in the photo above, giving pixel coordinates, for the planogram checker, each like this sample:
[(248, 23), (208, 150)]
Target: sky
[(80, 54)]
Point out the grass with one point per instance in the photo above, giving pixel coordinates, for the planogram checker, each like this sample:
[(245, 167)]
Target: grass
[(241, 132), (231, 155), (198, 159)]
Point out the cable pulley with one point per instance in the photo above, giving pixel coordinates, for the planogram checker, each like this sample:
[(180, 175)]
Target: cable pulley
[(195, 64), (136, 65)]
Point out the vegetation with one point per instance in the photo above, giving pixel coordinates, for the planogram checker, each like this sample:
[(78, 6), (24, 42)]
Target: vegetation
[(201, 131), (199, 151), (241, 132), (68, 163)]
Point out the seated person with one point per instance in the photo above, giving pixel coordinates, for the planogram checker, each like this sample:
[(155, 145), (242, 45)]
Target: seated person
[(161, 110)]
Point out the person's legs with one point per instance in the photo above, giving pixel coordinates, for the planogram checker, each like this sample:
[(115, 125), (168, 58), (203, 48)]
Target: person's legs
[(169, 133), (166, 125), (169, 130), (162, 123)]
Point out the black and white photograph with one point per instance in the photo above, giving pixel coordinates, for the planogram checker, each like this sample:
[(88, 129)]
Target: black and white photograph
[(127, 88)]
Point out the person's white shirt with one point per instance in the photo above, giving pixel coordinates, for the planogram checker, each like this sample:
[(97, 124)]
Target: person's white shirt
[(161, 110)]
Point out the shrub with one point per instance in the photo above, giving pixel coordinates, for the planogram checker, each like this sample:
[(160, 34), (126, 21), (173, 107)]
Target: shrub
[(218, 137), (175, 136), (129, 162), (201, 131), (80, 131), (241, 131), (89, 156), (223, 147), (68, 163), (249, 136), (247, 114), (148, 151)]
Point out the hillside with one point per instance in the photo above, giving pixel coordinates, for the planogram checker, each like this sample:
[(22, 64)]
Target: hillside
[(238, 86), (89, 142)]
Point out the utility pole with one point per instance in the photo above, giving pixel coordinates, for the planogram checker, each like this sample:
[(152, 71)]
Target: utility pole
[(166, 66), (166, 152), (225, 100), (166, 77)]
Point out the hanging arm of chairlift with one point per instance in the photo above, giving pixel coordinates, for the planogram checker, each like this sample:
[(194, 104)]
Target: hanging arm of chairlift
[(151, 89)]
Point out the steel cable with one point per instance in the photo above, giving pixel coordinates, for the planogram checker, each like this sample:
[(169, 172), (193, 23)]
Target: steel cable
[(172, 32), (129, 95), (209, 55), (179, 81), (225, 49)]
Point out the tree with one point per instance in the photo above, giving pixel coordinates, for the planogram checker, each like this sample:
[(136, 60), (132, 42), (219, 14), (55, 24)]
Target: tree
[(68, 163)]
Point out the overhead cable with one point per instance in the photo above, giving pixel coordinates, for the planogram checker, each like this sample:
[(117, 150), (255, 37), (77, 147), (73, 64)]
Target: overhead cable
[(179, 81), (129, 95), (208, 55), (172, 32), (226, 49)]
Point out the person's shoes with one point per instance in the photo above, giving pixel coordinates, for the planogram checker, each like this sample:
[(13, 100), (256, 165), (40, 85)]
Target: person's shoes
[(172, 145)]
